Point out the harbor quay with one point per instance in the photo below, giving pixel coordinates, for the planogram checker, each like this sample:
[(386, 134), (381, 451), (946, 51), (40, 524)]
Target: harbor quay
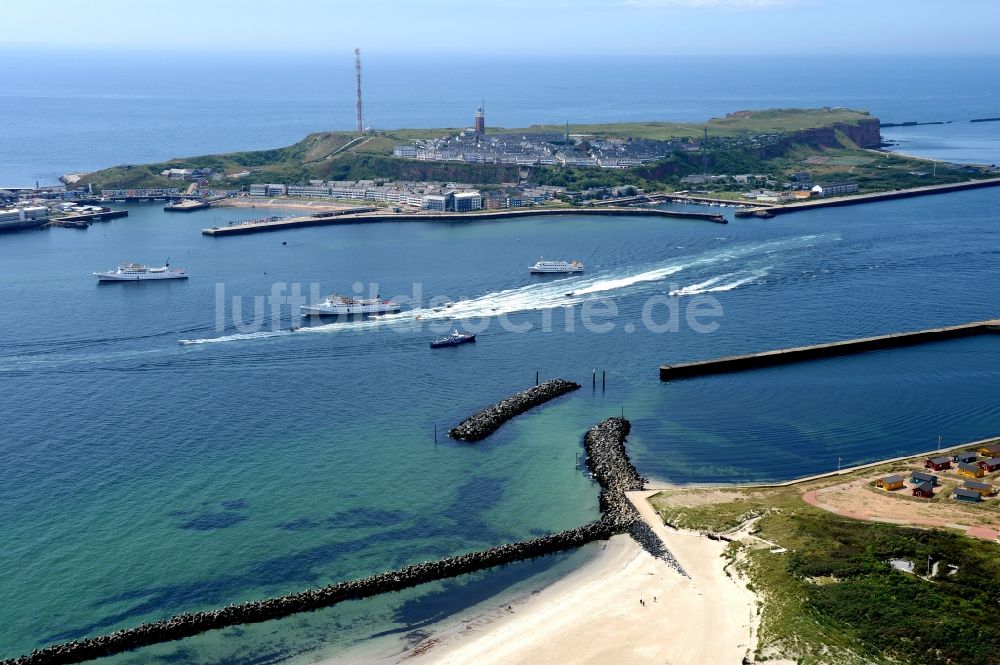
[(868, 198), (817, 351), (355, 216)]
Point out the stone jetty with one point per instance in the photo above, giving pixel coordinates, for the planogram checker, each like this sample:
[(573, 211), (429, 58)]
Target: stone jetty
[(480, 425), (608, 461)]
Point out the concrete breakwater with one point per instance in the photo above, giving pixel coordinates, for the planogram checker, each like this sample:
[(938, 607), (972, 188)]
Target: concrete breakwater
[(483, 423), (829, 350), (873, 197), (350, 217), (608, 461)]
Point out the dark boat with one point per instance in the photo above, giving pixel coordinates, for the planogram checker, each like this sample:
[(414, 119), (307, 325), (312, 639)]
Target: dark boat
[(454, 339)]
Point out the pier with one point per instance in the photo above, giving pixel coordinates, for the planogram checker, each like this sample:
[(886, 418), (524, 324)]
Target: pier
[(817, 351), (869, 198), (367, 215)]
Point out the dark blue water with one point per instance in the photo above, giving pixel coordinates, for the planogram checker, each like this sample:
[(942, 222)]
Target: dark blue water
[(113, 108), (140, 477)]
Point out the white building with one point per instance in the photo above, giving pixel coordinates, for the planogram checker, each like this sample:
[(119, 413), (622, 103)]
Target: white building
[(308, 191), (466, 201), (268, 190)]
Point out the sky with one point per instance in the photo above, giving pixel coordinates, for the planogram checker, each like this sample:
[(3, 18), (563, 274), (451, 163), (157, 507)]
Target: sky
[(507, 27)]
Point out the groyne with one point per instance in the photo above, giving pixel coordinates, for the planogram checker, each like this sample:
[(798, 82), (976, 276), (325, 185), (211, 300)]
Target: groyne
[(353, 217), (608, 460), (480, 425), (874, 197), (816, 351)]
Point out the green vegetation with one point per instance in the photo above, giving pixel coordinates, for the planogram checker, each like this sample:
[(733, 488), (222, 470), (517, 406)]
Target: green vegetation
[(773, 144), (756, 122), (833, 597)]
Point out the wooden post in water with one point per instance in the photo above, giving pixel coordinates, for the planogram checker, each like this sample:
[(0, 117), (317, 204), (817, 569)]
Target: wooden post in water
[(593, 379), (435, 433), (536, 377), (604, 380)]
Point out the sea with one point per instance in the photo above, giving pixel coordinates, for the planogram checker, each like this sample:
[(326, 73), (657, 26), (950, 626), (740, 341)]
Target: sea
[(172, 447)]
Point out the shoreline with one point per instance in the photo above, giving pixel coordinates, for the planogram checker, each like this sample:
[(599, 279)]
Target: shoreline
[(593, 614)]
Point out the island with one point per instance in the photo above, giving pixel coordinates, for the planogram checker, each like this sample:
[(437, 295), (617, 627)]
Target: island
[(764, 162)]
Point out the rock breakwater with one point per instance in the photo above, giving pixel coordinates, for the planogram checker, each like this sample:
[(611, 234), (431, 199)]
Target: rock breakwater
[(480, 425), (608, 461)]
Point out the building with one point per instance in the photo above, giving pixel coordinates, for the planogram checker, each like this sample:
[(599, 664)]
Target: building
[(967, 495), (309, 191), (938, 463), (918, 477), (984, 489), (468, 201), (890, 483), (439, 202), (407, 151), (990, 451), (968, 457), (970, 470), (268, 190), (990, 464), (481, 120), (924, 491), (835, 189), (22, 218)]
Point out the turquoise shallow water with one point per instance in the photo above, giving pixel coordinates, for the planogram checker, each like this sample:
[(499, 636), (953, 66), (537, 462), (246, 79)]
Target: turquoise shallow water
[(141, 477)]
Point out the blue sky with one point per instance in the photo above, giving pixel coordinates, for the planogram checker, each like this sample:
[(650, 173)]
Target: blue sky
[(594, 27)]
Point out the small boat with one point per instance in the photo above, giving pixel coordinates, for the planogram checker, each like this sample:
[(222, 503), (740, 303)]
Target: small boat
[(454, 339), (544, 267), (571, 294)]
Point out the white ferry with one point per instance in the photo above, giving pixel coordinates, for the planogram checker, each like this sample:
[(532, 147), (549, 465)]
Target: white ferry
[(334, 305), (543, 267), (133, 272)]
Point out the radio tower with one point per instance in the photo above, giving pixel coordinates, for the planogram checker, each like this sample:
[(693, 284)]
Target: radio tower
[(357, 75)]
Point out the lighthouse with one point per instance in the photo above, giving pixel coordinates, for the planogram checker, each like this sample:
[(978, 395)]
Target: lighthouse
[(481, 120)]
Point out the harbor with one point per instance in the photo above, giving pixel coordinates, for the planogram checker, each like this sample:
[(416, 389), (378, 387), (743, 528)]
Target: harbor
[(817, 351)]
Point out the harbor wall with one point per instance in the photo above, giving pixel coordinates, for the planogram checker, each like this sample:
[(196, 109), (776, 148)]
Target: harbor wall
[(817, 351), (455, 217), (483, 423), (609, 462), (871, 198)]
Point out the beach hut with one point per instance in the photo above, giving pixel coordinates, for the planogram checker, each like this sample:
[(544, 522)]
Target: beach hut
[(970, 470), (990, 464), (918, 477), (968, 457), (924, 490), (990, 451), (890, 483), (938, 463), (967, 495), (984, 489)]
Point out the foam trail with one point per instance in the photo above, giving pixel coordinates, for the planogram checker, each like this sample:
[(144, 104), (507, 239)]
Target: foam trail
[(554, 293), (719, 283)]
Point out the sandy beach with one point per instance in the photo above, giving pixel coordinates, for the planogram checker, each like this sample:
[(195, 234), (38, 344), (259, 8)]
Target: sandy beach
[(594, 614)]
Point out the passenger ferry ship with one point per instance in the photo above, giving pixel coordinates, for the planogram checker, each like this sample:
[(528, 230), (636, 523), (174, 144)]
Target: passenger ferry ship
[(134, 272), (544, 266), (334, 305)]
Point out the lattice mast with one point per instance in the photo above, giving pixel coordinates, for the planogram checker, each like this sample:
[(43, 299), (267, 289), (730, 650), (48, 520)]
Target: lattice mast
[(357, 76)]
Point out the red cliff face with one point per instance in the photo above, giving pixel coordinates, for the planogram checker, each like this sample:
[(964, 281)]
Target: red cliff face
[(864, 134)]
